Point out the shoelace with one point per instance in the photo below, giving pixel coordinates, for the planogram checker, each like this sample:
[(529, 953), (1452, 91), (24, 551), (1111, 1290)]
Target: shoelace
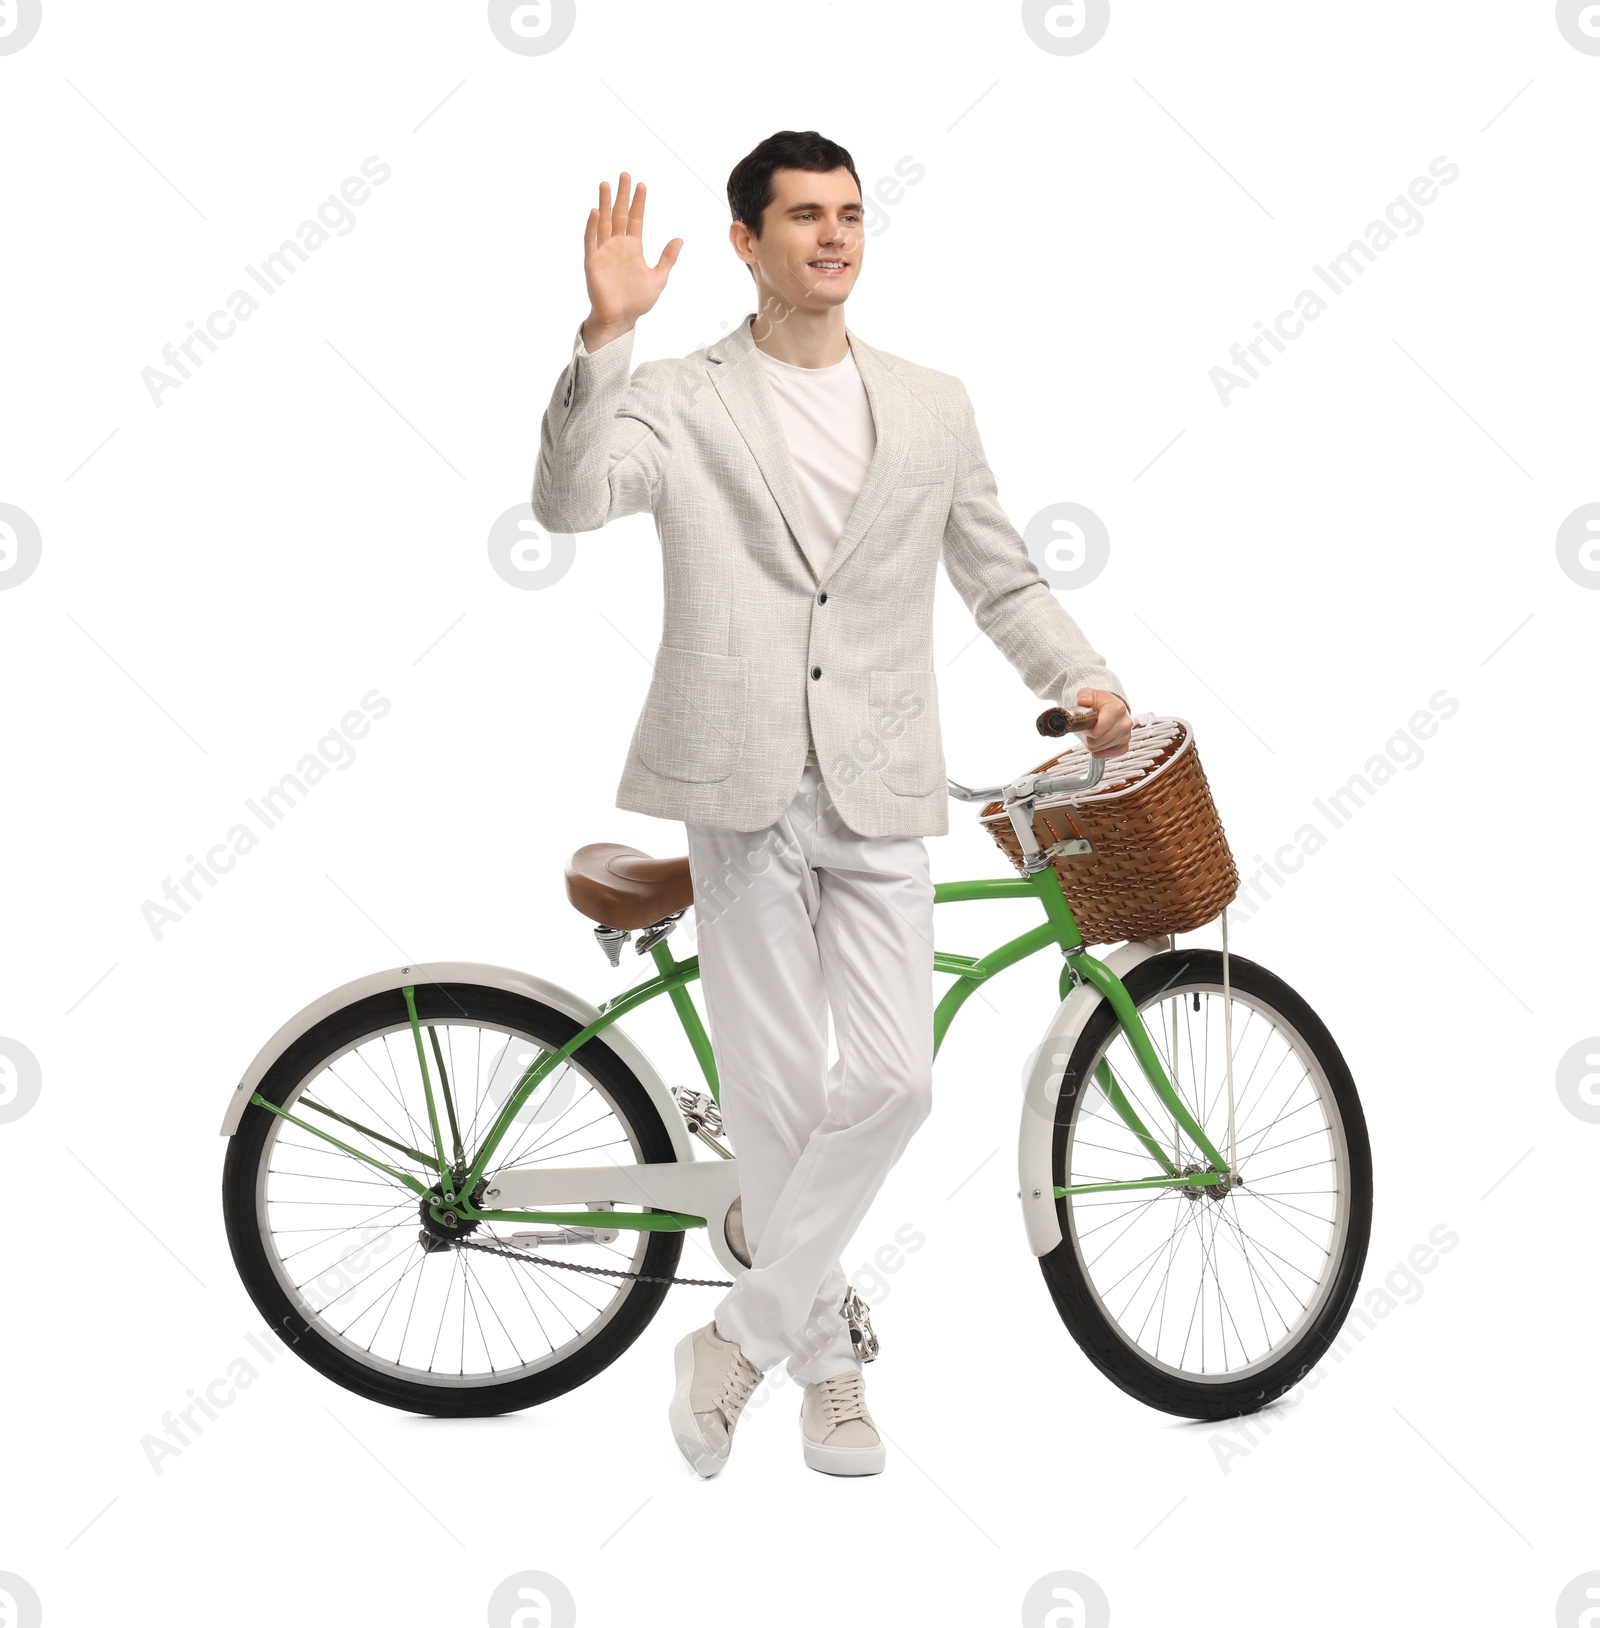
[(738, 1382), (844, 1397)]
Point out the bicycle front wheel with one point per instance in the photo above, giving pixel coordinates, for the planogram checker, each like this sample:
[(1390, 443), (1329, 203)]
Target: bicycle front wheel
[(1210, 1302)]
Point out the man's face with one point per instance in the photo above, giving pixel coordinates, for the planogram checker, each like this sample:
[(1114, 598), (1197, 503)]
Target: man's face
[(809, 251)]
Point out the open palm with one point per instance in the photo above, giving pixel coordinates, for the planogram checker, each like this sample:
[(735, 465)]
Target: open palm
[(622, 285)]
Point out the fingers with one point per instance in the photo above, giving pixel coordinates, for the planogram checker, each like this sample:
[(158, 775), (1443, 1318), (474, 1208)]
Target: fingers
[(669, 256), (611, 218), (1114, 728), (623, 217)]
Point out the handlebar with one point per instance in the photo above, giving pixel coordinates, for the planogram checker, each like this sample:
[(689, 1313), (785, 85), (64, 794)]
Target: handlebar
[(1020, 795), (1052, 721)]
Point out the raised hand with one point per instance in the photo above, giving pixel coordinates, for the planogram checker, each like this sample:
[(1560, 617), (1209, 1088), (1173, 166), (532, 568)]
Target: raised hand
[(622, 286)]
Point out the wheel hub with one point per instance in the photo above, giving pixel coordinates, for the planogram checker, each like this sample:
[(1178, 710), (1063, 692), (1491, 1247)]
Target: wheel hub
[(443, 1222), (1214, 1190)]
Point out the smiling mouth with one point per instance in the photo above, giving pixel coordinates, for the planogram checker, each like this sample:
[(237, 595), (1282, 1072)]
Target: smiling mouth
[(828, 268)]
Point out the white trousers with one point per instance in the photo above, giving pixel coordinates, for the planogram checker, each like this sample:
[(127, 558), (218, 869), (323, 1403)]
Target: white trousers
[(793, 922)]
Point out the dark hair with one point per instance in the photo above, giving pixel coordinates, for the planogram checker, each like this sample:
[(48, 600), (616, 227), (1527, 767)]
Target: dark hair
[(750, 184)]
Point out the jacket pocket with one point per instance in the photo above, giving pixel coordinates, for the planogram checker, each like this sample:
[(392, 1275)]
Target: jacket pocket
[(905, 719), (694, 718)]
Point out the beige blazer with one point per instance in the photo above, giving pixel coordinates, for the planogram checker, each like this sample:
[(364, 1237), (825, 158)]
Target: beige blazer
[(753, 642)]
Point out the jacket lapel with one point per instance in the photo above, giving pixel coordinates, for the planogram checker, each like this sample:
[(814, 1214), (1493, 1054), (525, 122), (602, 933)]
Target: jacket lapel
[(736, 371)]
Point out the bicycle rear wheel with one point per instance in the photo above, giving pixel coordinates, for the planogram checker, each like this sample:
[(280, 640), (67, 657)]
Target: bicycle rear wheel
[(1208, 1302), (338, 1256)]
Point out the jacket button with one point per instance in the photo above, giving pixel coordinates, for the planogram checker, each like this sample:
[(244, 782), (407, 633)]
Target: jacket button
[(816, 672), (822, 598)]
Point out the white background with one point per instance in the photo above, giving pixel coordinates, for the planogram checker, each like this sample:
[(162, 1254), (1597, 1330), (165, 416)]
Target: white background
[(306, 519)]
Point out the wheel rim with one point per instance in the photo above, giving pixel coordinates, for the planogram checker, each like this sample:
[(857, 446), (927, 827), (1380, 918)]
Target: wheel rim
[(343, 1240), (1212, 1290)]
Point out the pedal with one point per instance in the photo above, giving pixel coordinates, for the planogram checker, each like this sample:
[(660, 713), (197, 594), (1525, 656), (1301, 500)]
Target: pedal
[(703, 1117), (860, 1324), (699, 1109)]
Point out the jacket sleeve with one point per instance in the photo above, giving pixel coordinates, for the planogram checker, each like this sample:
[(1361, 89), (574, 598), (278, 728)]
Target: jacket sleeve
[(601, 441), (987, 560)]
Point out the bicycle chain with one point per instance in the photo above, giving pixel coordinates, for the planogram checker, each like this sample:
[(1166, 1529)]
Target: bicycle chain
[(594, 1271)]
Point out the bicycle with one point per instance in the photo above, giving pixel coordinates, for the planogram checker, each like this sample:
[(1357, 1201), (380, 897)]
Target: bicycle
[(1205, 1283)]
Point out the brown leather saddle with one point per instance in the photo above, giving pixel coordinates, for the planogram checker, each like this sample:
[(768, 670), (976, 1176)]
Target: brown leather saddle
[(619, 886)]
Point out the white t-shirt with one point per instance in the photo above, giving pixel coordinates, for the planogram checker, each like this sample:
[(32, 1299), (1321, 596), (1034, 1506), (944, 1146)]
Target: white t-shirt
[(827, 423)]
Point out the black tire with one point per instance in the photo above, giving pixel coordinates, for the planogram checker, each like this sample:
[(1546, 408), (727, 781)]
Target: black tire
[(243, 1178), (1096, 1332)]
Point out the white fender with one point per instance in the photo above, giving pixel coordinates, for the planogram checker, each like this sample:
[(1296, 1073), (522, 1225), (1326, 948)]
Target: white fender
[(1036, 1185), (463, 972)]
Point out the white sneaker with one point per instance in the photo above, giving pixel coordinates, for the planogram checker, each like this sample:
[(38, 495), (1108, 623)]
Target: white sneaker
[(836, 1431), (715, 1379)]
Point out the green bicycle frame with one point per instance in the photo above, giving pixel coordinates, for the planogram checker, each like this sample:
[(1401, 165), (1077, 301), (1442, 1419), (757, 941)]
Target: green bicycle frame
[(449, 1177)]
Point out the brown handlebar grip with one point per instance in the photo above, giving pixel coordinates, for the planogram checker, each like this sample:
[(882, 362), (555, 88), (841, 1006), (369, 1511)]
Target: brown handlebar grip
[(1058, 721)]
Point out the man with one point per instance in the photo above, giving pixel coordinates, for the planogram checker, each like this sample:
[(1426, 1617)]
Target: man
[(805, 487)]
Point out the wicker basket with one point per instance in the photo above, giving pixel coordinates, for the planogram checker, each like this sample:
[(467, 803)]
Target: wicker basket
[(1159, 861)]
